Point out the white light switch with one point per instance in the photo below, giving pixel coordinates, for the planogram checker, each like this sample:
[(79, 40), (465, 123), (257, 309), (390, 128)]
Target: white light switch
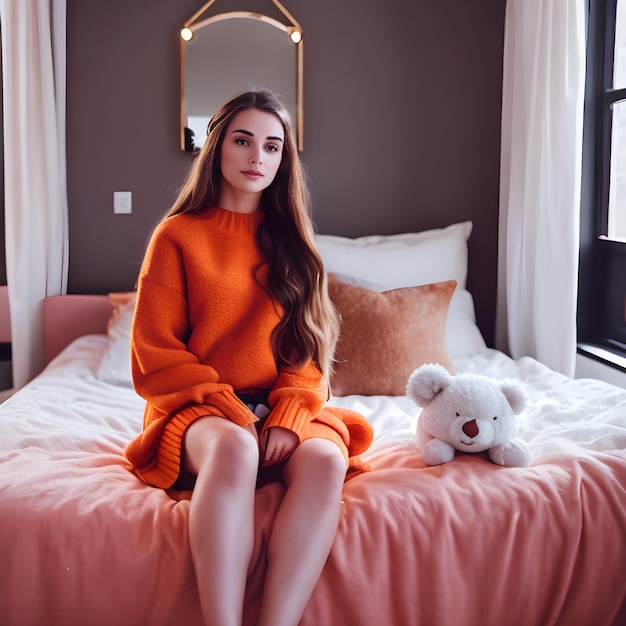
[(122, 202)]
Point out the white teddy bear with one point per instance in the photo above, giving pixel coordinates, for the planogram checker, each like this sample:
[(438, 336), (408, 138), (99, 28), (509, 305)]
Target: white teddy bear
[(466, 412)]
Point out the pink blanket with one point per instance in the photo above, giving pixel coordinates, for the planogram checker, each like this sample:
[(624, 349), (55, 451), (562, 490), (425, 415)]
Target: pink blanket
[(84, 543)]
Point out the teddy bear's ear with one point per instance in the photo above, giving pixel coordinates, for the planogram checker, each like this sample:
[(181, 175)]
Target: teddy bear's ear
[(426, 382), (514, 395)]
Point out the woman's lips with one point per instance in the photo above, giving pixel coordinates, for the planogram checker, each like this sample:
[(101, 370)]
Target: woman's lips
[(253, 174)]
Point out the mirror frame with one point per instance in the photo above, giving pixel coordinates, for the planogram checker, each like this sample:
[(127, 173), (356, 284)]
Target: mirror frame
[(293, 30)]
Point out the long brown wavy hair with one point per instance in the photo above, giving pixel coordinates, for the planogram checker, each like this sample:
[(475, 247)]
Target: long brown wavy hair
[(309, 327)]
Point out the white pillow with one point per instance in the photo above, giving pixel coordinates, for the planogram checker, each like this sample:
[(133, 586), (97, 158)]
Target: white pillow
[(404, 260), (463, 337), (384, 262), (115, 364)]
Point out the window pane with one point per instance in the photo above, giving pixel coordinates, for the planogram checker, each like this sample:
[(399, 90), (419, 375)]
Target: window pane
[(617, 188), (619, 67)]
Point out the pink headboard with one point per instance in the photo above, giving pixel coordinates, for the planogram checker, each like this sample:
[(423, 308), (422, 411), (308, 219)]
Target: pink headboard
[(5, 316), (71, 316)]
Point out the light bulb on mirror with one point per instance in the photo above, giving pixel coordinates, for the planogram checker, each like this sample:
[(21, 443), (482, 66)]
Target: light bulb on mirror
[(186, 34), (295, 34)]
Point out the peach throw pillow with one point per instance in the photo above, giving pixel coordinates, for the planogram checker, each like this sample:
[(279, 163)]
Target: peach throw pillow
[(386, 335)]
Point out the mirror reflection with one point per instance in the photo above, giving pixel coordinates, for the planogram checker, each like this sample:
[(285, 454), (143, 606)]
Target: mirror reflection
[(230, 53)]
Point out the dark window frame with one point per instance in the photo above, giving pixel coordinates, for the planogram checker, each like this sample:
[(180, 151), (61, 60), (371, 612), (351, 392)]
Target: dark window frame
[(602, 270)]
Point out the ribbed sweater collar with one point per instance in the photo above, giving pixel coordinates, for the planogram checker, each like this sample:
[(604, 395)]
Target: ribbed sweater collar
[(232, 221)]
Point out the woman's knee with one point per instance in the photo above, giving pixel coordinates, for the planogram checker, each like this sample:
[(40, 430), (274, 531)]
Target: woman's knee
[(318, 460), (220, 445)]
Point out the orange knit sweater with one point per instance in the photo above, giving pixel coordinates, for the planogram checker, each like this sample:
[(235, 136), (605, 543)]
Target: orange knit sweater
[(201, 330)]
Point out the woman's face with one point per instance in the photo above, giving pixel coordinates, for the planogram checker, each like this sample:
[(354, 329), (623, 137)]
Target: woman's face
[(250, 156)]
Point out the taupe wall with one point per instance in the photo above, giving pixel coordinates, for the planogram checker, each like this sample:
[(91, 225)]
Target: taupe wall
[(402, 126)]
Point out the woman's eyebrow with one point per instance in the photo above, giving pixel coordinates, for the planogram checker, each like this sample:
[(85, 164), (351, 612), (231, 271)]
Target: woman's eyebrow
[(247, 132)]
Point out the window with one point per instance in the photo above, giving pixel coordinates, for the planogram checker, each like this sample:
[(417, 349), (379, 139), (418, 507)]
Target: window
[(615, 113), (602, 284)]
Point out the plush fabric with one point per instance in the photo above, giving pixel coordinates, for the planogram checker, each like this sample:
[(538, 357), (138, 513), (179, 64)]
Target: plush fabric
[(384, 262), (385, 336), (467, 412)]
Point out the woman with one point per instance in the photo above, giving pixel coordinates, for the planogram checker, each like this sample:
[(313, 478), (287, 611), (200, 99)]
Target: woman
[(232, 346)]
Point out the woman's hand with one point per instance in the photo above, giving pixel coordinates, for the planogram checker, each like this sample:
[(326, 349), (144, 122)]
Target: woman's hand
[(279, 444)]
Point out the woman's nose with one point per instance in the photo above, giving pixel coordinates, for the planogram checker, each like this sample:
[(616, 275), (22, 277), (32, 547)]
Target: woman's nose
[(256, 157)]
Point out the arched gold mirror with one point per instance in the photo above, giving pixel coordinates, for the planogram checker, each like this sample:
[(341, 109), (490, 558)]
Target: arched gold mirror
[(227, 53)]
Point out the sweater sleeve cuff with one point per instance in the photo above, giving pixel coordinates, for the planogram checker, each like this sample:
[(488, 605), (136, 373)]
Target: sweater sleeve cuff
[(291, 413)]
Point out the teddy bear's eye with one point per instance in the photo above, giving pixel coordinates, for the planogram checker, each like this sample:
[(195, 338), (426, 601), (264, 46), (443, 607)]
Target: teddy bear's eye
[(495, 418), (458, 415)]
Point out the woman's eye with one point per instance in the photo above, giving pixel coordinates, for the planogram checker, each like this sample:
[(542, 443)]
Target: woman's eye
[(241, 141), (271, 148)]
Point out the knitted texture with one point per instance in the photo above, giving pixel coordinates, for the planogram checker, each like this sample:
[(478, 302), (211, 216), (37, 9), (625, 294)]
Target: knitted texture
[(201, 330)]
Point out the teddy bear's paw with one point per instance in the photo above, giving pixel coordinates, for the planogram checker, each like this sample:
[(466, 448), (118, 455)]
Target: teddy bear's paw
[(513, 454), (436, 452)]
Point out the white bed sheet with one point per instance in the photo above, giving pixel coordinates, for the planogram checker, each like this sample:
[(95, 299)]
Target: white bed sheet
[(562, 415)]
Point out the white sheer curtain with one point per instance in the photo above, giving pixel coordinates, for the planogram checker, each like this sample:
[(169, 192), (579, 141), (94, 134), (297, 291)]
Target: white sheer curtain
[(542, 121), (34, 78)]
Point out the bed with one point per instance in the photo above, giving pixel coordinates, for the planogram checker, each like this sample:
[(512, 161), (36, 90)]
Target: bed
[(84, 543)]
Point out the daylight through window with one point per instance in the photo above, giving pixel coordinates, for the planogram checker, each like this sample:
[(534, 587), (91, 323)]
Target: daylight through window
[(617, 184)]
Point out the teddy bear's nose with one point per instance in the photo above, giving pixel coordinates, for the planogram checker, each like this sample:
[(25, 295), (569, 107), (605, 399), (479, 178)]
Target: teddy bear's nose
[(470, 428)]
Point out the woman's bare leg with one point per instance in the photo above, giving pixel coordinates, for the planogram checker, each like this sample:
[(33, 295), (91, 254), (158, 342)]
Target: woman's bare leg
[(221, 515), (304, 530)]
